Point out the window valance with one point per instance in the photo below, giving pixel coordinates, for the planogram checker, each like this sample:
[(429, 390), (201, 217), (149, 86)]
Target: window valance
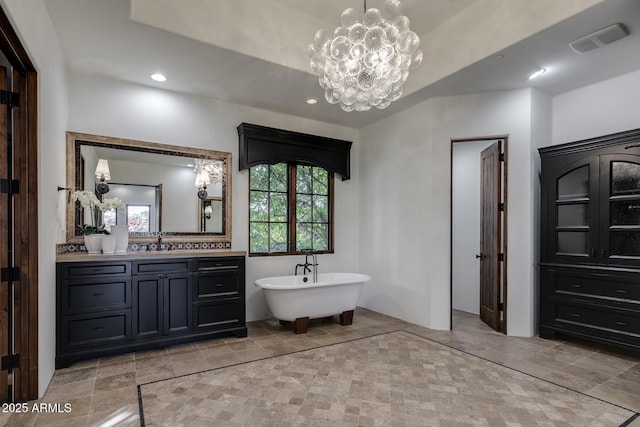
[(265, 145)]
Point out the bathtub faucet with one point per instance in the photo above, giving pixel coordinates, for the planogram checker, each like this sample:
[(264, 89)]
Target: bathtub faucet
[(306, 266), (314, 264)]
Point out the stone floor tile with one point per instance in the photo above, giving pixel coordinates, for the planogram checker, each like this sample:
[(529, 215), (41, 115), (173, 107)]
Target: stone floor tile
[(443, 390)]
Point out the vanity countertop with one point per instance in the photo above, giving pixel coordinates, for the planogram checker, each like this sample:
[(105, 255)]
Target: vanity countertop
[(136, 255)]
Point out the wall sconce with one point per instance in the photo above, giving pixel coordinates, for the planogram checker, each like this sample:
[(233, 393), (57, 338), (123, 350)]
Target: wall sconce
[(103, 174), (68, 190), (202, 179), (208, 211)]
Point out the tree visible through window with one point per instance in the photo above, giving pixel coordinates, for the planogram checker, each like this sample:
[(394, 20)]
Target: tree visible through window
[(138, 218), (289, 209)]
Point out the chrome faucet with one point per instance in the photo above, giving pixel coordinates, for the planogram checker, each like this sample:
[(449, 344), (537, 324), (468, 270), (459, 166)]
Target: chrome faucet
[(306, 266)]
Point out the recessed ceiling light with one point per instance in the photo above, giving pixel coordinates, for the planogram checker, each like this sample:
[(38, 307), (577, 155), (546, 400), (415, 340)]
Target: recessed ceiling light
[(311, 101), (158, 77), (537, 74)]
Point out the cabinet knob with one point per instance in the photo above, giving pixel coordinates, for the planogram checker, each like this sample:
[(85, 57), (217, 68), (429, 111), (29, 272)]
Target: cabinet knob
[(621, 323), (622, 291), (98, 294), (576, 315), (576, 285)]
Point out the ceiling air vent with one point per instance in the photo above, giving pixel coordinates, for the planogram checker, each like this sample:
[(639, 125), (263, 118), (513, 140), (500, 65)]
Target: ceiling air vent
[(599, 38)]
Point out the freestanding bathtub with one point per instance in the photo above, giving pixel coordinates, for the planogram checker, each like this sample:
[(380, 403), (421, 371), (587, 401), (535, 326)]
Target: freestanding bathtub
[(296, 299)]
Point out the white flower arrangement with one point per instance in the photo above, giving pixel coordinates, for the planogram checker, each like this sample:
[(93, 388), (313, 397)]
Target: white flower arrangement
[(108, 204), (89, 200)]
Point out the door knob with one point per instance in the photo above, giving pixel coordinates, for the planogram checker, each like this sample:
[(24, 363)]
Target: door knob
[(479, 256)]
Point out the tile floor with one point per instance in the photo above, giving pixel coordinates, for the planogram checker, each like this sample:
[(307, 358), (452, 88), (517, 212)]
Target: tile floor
[(103, 392)]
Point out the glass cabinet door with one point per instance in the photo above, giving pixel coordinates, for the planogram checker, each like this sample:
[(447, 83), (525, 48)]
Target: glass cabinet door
[(572, 212), (620, 215)]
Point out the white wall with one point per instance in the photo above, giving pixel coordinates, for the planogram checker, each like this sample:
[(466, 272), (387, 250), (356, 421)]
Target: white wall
[(110, 108), (606, 107), (31, 21), (466, 225), (405, 205), (540, 137)]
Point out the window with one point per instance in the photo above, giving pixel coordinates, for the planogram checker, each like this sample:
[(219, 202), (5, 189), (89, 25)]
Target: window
[(138, 218), (290, 209)]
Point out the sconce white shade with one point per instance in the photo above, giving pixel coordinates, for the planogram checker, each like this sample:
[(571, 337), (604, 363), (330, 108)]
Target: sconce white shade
[(202, 178), (208, 210), (103, 169)]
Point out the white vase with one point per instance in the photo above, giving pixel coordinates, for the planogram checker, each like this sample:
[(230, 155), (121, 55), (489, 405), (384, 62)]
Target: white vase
[(93, 243), (108, 244), (121, 232)]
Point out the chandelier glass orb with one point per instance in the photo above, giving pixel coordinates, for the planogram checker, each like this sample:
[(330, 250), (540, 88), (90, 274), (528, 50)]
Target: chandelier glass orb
[(366, 60)]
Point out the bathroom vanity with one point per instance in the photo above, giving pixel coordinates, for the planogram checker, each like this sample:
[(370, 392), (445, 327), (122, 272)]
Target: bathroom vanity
[(114, 304)]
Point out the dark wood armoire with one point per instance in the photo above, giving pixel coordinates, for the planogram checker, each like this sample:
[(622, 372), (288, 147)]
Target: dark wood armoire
[(590, 239)]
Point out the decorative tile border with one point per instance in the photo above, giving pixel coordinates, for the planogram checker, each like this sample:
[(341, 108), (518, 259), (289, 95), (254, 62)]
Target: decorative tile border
[(73, 248)]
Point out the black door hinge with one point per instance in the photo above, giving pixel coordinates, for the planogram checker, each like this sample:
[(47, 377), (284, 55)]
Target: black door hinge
[(501, 306), (501, 207), (501, 157), (500, 257), (10, 99), (10, 361), (10, 274), (9, 186)]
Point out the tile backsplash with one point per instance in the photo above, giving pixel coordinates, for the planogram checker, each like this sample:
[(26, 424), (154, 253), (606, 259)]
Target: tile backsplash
[(66, 248)]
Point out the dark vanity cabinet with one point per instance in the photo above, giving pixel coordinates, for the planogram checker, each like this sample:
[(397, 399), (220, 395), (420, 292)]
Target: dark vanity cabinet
[(590, 239), (112, 307), (162, 298)]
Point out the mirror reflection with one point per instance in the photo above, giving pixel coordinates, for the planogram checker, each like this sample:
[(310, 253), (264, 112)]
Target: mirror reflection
[(174, 190), (211, 218)]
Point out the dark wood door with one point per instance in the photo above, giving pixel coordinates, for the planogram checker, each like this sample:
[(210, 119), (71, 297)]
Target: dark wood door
[(148, 306), (490, 235), (178, 303), (5, 241)]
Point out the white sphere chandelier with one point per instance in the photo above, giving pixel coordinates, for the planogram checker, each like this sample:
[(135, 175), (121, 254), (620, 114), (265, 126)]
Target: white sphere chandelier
[(367, 60)]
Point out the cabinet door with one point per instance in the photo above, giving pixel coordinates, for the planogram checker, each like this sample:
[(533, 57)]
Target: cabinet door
[(148, 305), (620, 209), (177, 304), (570, 200)]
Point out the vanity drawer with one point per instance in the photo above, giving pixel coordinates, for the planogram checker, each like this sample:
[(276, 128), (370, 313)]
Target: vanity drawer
[(579, 283), (221, 263), (162, 266), (93, 269), (223, 283), (92, 295), (81, 332), (218, 314)]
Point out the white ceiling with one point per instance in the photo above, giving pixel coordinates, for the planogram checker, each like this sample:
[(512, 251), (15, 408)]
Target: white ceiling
[(99, 38)]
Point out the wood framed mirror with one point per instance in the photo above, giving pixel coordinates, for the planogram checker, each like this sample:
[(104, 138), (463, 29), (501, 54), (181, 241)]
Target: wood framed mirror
[(175, 202)]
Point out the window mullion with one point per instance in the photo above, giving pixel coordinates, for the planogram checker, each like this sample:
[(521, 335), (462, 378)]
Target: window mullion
[(330, 219), (292, 211)]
